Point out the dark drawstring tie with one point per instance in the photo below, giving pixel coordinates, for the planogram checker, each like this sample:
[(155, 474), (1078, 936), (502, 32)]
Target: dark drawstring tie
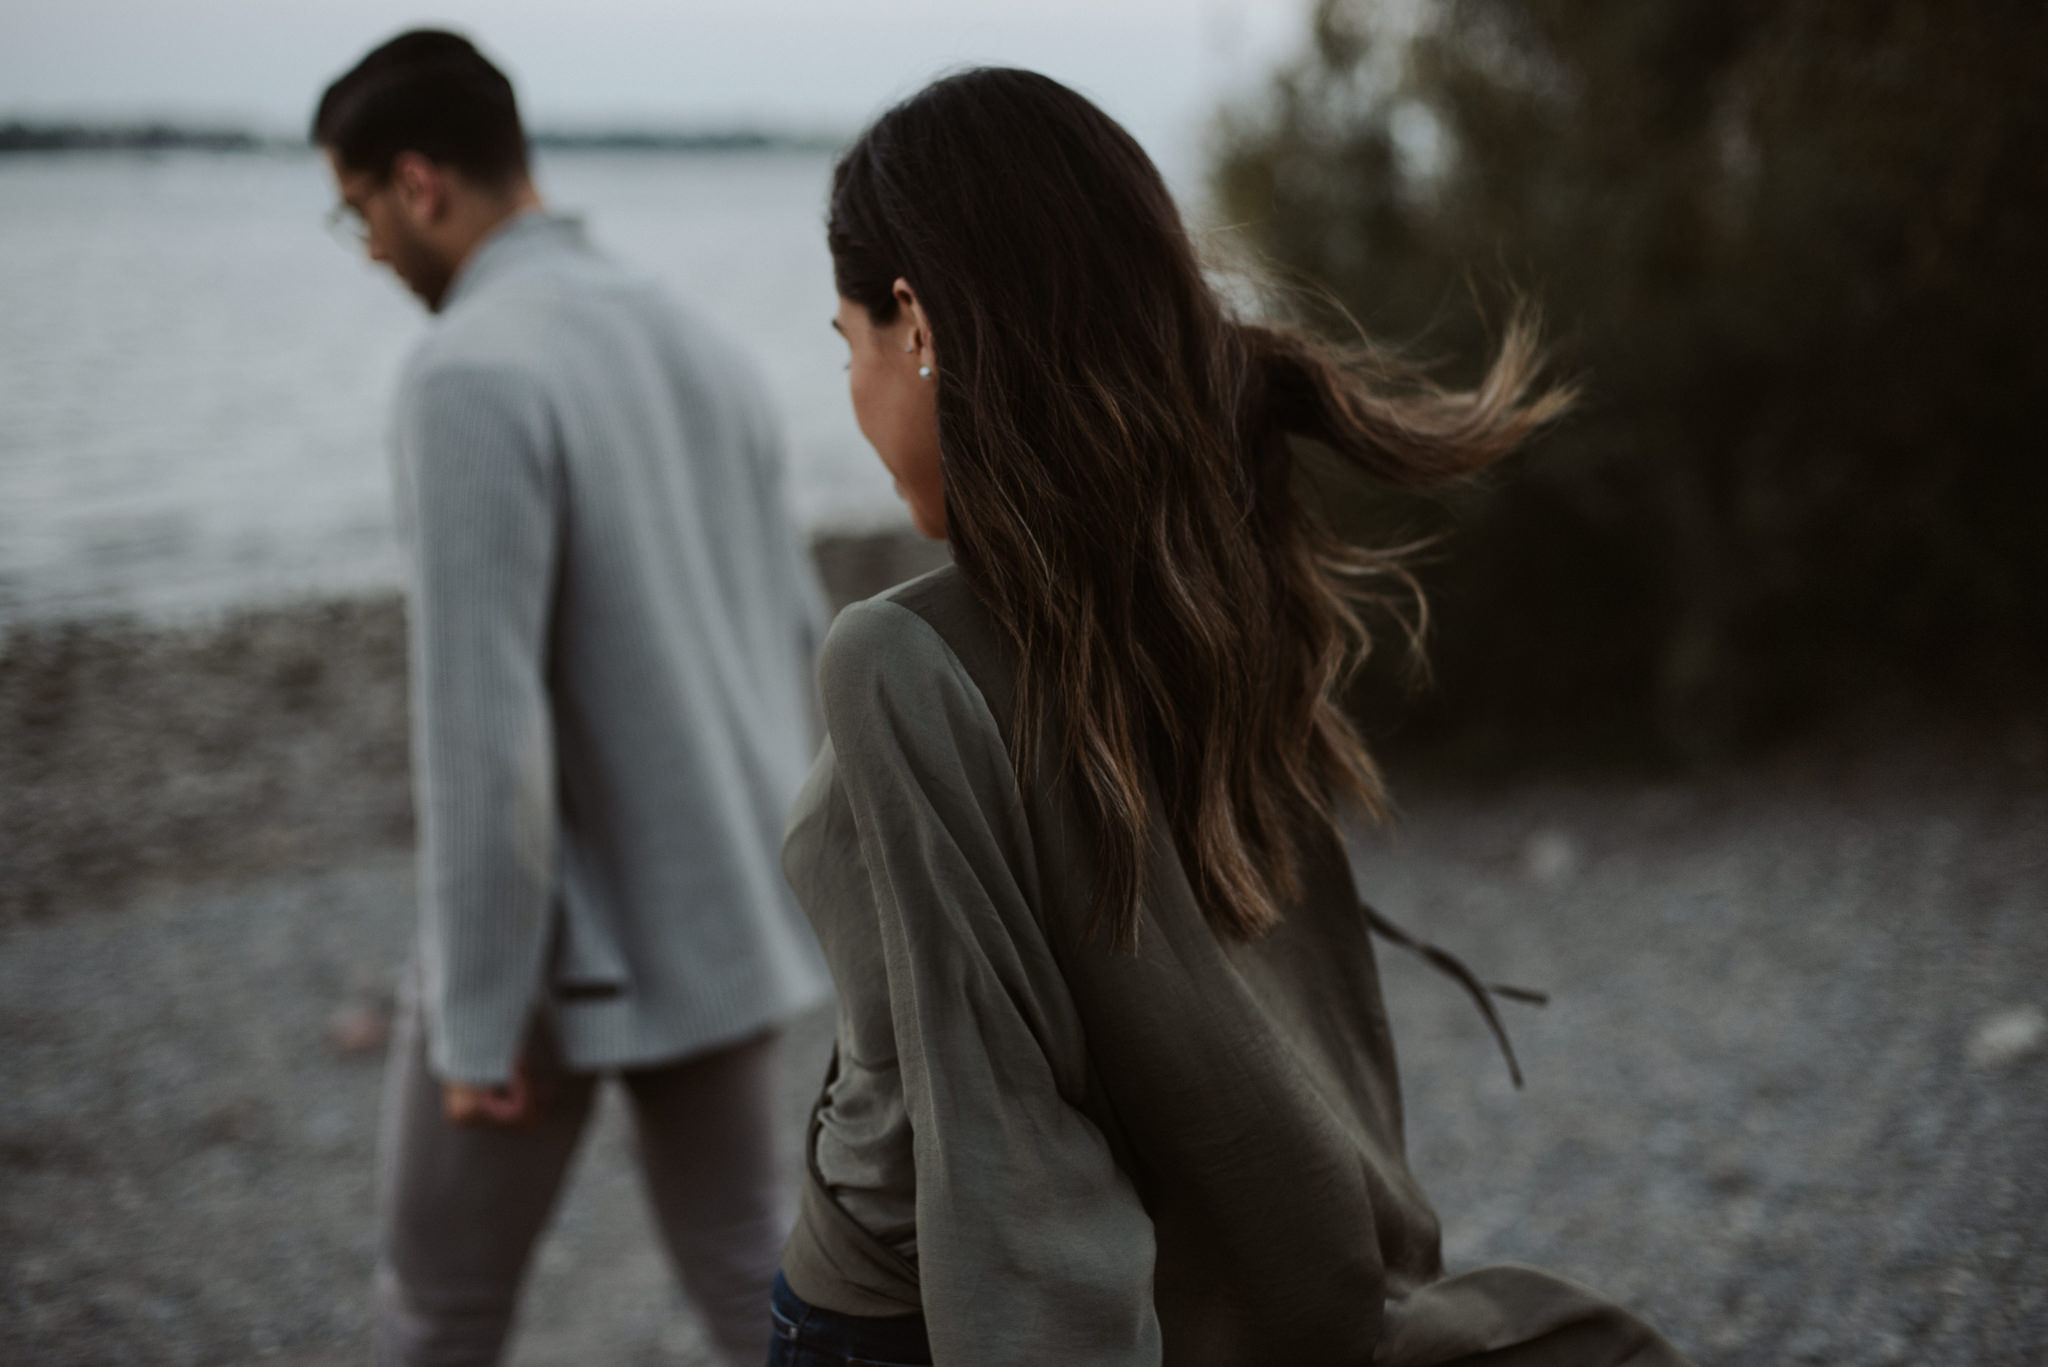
[(1452, 966)]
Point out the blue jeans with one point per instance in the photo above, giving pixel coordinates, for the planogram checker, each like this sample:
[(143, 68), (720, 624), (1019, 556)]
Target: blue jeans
[(805, 1336)]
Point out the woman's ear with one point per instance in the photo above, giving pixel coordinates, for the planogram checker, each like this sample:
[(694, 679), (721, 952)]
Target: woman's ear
[(920, 326)]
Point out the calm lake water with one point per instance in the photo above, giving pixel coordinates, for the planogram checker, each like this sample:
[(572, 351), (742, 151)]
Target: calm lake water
[(195, 377)]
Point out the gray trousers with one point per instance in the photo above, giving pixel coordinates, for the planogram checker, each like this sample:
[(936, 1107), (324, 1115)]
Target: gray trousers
[(461, 1207)]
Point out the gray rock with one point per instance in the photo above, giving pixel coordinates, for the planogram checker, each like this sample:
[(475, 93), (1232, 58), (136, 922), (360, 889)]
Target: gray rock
[(2005, 1037)]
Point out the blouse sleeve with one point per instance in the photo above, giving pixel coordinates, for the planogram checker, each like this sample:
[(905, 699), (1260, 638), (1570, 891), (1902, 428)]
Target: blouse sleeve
[(1032, 1244)]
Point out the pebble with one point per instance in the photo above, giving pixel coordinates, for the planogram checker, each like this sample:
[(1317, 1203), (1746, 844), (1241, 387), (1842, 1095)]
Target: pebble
[(358, 1030), (1550, 857), (2005, 1037)]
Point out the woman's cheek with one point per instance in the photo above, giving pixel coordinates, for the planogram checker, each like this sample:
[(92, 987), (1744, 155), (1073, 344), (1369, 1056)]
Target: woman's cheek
[(866, 410)]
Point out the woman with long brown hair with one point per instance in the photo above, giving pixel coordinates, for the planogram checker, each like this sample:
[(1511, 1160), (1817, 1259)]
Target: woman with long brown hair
[(1113, 1081)]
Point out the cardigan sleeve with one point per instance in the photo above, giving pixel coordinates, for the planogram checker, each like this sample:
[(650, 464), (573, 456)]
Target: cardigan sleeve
[(476, 482), (1033, 1246)]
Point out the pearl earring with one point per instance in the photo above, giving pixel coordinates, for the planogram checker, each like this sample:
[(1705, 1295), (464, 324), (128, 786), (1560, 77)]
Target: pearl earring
[(924, 372)]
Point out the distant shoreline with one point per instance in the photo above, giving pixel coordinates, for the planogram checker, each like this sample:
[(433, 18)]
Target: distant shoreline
[(18, 136), (21, 135)]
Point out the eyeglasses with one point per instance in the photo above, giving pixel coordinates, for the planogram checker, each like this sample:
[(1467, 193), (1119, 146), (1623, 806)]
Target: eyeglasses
[(349, 226)]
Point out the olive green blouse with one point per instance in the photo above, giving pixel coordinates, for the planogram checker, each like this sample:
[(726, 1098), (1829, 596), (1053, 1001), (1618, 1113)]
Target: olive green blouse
[(1191, 1154)]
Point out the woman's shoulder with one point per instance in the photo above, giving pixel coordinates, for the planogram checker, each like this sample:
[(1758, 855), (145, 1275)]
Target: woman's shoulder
[(913, 647), (901, 633), (878, 636)]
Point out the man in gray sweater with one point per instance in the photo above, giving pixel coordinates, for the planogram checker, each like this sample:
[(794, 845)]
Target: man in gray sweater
[(612, 620)]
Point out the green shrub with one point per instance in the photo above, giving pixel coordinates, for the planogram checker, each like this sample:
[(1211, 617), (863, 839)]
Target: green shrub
[(1794, 252)]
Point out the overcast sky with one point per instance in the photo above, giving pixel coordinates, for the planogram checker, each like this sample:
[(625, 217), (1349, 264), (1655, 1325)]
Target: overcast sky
[(1159, 65)]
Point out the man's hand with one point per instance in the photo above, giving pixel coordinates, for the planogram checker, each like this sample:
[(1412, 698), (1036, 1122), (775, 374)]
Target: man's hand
[(515, 1105)]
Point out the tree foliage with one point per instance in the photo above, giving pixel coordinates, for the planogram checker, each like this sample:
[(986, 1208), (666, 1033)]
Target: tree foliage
[(1794, 252)]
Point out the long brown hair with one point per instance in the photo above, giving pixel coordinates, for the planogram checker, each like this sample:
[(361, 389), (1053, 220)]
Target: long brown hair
[(1121, 488)]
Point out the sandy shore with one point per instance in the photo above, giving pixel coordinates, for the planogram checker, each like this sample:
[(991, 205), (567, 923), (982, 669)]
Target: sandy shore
[(1790, 1101)]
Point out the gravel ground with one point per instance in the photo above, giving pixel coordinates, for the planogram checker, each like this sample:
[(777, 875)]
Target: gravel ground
[(1790, 1100), (136, 755)]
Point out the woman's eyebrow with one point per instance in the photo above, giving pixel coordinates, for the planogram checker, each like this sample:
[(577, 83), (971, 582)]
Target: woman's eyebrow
[(838, 329)]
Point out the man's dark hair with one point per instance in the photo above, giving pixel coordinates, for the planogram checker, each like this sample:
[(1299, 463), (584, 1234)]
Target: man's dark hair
[(429, 92)]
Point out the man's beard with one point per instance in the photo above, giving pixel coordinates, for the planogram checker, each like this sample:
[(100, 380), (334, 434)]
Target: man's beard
[(421, 268)]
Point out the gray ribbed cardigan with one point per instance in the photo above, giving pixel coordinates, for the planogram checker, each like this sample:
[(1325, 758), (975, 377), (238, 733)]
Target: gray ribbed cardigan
[(612, 621), (1189, 1155)]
